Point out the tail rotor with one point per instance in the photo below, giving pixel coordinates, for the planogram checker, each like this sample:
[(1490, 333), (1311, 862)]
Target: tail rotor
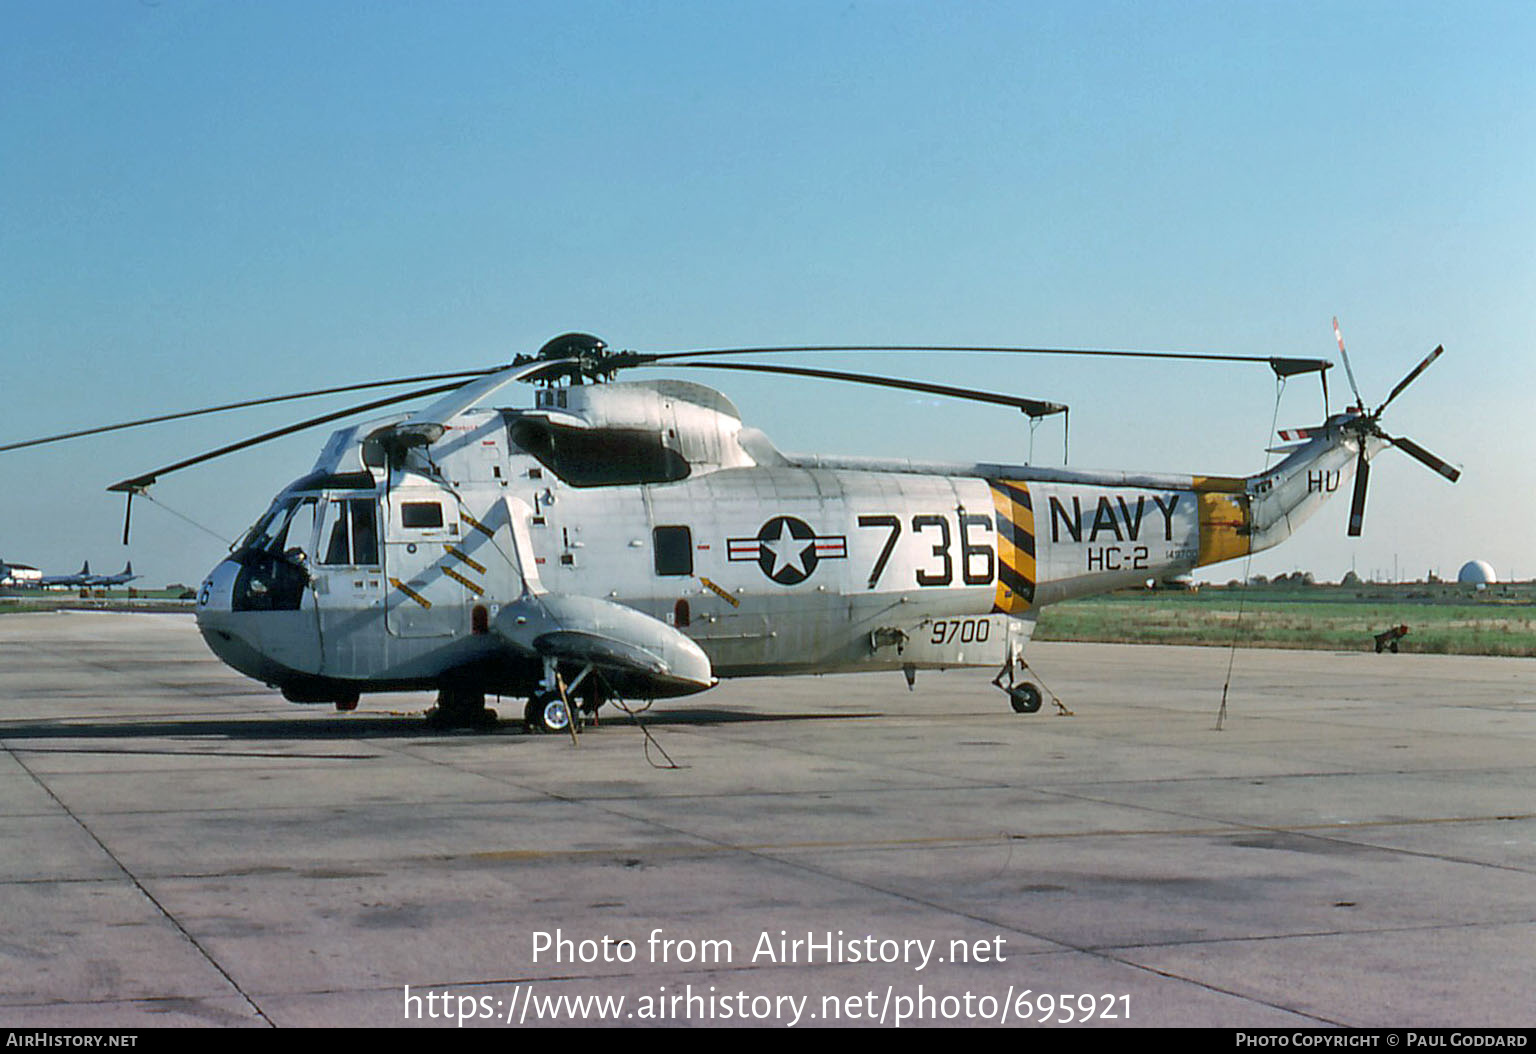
[(1365, 426)]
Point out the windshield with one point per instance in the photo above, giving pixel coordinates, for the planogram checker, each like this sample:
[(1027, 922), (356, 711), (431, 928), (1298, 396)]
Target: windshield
[(288, 518), (274, 557)]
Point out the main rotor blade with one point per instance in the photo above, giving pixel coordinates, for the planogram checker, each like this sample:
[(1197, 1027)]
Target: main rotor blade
[(1032, 407), (467, 395), (140, 482), (1412, 376), (1424, 457), (1339, 336), (182, 415), (1283, 367), (1357, 504)]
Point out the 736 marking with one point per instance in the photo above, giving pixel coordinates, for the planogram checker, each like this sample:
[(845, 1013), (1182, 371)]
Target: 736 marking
[(978, 563)]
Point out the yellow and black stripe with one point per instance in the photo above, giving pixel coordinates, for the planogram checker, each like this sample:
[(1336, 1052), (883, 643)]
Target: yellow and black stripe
[(476, 524), (426, 605), (1015, 546), (466, 583), (465, 558)]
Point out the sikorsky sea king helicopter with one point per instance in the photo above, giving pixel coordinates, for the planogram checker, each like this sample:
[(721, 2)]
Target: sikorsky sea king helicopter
[(635, 540)]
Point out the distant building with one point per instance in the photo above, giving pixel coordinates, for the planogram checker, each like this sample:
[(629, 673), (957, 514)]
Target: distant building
[(19, 575), (1477, 573)]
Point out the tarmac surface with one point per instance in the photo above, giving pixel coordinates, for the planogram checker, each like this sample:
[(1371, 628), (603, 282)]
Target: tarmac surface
[(1356, 846)]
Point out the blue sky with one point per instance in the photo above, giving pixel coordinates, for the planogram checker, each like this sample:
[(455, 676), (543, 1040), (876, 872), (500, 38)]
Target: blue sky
[(201, 202)]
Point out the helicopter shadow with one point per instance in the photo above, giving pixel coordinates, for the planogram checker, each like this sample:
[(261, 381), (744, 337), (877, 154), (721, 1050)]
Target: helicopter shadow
[(347, 727)]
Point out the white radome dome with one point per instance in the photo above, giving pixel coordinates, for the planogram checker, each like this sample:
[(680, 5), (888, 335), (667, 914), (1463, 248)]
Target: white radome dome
[(1477, 573)]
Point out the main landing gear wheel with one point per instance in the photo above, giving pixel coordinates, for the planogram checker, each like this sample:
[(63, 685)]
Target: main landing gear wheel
[(1024, 698), (547, 712), (461, 709)]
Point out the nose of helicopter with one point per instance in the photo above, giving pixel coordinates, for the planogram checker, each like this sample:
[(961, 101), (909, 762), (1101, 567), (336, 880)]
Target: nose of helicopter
[(215, 605), (215, 595)]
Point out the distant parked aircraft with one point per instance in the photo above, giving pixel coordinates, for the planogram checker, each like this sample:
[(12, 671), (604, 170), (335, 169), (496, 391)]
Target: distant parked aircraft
[(122, 578), (81, 578)]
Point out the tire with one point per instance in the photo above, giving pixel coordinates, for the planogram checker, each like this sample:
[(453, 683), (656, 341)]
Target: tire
[(1025, 698), (547, 712)]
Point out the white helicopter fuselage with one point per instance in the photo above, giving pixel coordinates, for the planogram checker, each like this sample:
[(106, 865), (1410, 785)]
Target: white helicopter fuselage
[(641, 529)]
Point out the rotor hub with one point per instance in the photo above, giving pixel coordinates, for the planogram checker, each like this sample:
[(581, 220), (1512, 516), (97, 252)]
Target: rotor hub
[(591, 355)]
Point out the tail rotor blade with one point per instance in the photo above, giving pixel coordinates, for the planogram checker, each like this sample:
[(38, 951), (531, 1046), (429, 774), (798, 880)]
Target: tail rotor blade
[(1424, 457), (1412, 376), (1357, 505)]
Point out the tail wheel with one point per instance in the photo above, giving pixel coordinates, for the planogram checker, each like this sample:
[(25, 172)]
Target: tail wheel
[(1025, 698), (547, 712)]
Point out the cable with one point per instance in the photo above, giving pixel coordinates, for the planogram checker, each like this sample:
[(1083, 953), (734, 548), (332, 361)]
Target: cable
[(650, 740), (1242, 596), (1062, 710), (180, 516)]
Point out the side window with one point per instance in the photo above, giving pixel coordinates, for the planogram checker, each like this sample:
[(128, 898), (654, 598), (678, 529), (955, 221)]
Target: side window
[(299, 531), (365, 533), (421, 514), (337, 549), (674, 550), (348, 535)]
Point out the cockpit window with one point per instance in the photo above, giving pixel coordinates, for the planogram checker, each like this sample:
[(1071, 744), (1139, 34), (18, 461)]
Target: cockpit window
[(350, 533), (599, 457), (260, 533), (273, 557), (287, 524)]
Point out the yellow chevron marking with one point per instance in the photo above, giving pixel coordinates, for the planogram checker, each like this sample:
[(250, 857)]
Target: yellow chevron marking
[(455, 552), (476, 524), (720, 592), (466, 583), (408, 591)]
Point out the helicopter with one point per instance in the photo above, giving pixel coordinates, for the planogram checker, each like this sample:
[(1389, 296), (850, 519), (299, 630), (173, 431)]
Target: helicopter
[(637, 540)]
